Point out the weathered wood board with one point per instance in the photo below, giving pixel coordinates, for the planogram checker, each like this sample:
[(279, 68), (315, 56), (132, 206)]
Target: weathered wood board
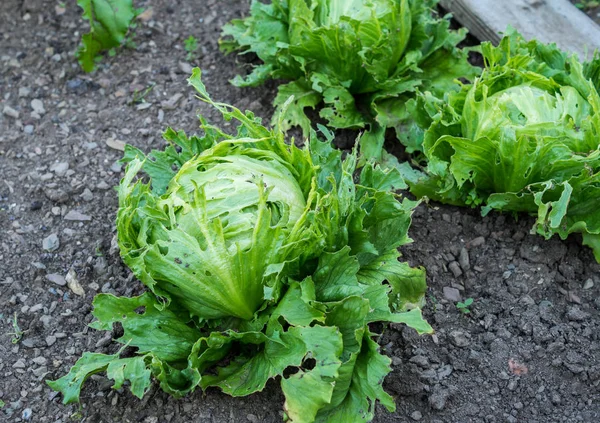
[(555, 21)]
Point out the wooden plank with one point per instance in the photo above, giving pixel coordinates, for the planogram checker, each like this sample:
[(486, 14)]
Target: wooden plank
[(555, 21)]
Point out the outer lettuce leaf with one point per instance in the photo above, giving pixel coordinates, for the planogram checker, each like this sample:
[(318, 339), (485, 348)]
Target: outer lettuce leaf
[(165, 333), (522, 138), (361, 62), (321, 281), (132, 369)]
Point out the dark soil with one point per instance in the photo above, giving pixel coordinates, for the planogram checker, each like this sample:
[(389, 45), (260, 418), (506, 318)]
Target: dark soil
[(528, 351)]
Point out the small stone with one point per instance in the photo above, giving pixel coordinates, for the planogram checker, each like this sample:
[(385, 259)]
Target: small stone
[(252, 418), (527, 300), (27, 413), (444, 371), (420, 360), (588, 284), (36, 308), (185, 68), (57, 279), (416, 416), (476, 242), (77, 216), (87, 195), (40, 360), (116, 144), (73, 283), (40, 371), (102, 185), (28, 129), (37, 106), (56, 195), (171, 103), (31, 343), (10, 112), (45, 319), (104, 341), (60, 168), (451, 294), (51, 243), (24, 92), (575, 314), (459, 339), (19, 364), (437, 400), (50, 340), (115, 167), (463, 259), (455, 269)]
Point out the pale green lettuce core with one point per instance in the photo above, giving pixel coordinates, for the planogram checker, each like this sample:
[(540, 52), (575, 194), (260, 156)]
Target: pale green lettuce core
[(235, 192), (230, 187)]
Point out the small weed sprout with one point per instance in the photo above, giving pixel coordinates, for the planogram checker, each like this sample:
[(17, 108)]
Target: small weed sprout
[(17, 333), (463, 307), (139, 96), (190, 45)]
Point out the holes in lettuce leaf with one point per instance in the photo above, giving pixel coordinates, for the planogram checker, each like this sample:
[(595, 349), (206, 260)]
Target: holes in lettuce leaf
[(117, 330), (309, 364), (163, 250), (250, 209), (140, 310), (277, 210)]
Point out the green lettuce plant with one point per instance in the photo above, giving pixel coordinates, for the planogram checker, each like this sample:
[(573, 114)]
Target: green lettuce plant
[(524, 137), (110, 21), (259, 257), (359, 61)]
